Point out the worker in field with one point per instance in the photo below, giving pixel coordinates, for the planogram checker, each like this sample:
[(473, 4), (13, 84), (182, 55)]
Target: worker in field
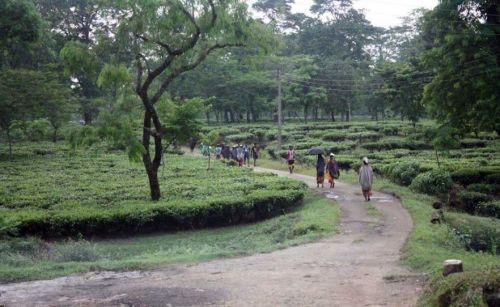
[(366, 179), (320, 171), (255, 153), (246, 155), (332, 170), (290, 158), (218, 151)]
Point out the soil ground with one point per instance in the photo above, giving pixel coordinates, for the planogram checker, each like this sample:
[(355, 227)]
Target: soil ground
[(359, 266)]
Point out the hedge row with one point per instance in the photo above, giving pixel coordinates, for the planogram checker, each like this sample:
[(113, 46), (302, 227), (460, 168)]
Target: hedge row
[(477, 287), (476, 233), (476, 175), (175, 215)]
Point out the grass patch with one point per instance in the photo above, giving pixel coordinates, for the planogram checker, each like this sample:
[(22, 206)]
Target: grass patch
[(34, 259)]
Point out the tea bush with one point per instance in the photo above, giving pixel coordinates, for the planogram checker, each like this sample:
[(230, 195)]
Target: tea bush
[(476, 233), (434, 182), (469, 200), (470, 288), (491, 209), (60, 195), (404, 172)]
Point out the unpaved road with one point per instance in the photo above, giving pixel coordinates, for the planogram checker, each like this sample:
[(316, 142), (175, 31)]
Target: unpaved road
[(360, 266)]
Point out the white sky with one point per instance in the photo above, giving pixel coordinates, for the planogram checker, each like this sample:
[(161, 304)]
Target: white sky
[(382, 13)]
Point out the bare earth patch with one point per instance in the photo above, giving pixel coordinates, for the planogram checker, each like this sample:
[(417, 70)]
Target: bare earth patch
[(360, 266)]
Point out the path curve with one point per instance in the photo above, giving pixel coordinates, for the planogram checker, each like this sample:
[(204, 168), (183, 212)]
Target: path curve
[(360, 266)]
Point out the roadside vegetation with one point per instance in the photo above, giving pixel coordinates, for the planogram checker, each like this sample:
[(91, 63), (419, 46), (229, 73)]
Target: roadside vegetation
[(464, 178)]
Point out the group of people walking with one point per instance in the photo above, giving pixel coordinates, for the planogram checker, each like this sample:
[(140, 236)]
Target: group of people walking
[(331, 171), (239, 153)]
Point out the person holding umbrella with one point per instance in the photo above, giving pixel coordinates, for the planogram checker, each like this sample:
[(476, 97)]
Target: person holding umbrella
[(332, 170)]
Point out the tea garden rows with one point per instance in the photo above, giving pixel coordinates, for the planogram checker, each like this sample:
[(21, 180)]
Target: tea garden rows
[(48, 191), (466, 177)]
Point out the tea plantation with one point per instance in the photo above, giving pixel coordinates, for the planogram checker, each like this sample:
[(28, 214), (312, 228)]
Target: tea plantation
[(469, 166), (49, 192), (464, 175)]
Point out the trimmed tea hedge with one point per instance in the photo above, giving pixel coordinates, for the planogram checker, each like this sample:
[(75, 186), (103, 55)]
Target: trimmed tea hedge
[(61, 195), (476, 233), (157, 216)]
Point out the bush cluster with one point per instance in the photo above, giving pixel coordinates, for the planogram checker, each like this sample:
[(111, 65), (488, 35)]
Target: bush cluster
[(476, 233), (404, 172), (490, 209), (435, 182), (475, 175), (470, 200), (163, 216)]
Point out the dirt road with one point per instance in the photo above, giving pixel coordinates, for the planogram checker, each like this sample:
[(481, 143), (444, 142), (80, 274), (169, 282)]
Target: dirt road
[(360, 266)]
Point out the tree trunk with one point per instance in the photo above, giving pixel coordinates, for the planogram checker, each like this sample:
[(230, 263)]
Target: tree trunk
[(151, 166), (207, 114), (452, 266), (87, 118), (332, 115), (217, 116)]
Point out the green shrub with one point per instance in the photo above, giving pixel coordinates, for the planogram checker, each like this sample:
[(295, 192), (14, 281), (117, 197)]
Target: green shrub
[(476, 233), (469, 200), (334, 136), (470, 288), (404, 173), (474, 175), (491, 209), (241, 137), (472, 143), (491, 189), (493, 178), (434, 182)]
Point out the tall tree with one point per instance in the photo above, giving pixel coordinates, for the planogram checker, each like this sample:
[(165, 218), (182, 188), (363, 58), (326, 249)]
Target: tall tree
[(463, 37), (170, 38)]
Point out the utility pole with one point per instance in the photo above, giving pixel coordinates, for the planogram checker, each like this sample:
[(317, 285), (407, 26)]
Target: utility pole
[(280, 120)]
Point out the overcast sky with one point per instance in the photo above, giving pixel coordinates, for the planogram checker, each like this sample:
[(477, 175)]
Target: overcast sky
[(382, 13)]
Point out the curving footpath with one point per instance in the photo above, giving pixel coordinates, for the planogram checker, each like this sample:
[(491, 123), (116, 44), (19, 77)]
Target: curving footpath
[(360, 266)]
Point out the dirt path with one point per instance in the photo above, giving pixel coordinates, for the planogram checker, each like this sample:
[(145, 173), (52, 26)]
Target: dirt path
[(357, 267)]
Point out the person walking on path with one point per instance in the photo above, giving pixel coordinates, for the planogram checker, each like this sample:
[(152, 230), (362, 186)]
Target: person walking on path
[(320, 171), (255, 153), (218, 151), (240, 155), (332, 170), (246, 155), (290, 158), (366, 179)]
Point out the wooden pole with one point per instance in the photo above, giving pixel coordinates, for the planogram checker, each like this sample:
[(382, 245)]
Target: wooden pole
[(280, 112)]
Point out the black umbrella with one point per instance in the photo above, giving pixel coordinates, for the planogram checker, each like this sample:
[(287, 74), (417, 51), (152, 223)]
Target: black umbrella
[(316, 151)]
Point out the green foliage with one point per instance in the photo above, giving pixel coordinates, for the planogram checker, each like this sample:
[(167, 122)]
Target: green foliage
[(78, 60), (109, 195), (468, 176), (463, 55), (8, 228), (476, 233), (470, 288), (181, 117), (404, 173), (113, 76), (470, 200), (491, 209), (435, 182)]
